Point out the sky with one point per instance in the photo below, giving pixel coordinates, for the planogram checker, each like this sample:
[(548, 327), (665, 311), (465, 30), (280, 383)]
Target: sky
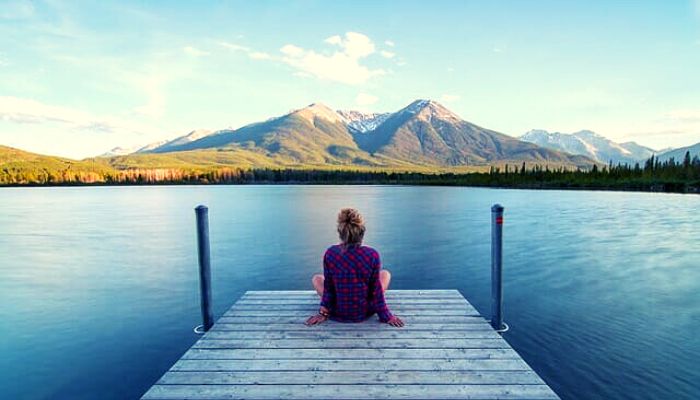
[(78, 78)]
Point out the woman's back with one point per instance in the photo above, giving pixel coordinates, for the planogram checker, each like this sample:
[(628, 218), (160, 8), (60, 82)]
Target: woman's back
[(351, 288), (353, 282)]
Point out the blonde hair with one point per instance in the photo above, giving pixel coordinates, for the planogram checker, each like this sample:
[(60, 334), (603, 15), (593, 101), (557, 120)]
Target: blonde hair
[(351, 227)]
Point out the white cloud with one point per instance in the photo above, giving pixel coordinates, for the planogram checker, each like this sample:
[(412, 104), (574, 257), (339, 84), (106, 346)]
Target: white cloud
[(234, 47), (335, 39), (255, 55), (258, 55), (389, 43), (450, 69), (194, 52), (27, 111), (343, 65), (497, 50), (292, 50), (449, 98), (357, 45), (364, 99), (302, 74)]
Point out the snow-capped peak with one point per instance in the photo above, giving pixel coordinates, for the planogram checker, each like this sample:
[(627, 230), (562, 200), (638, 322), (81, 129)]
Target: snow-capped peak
[(321, 110), (363, 122), (590, 144), (416, 106), (119, 151), (430, 109), (190, 137)]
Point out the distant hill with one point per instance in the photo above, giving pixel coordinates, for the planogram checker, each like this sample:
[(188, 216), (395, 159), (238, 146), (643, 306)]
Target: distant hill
[(679, 154), (18, 166), (590, 144), (423, 134), (173, 145), (162, 146)]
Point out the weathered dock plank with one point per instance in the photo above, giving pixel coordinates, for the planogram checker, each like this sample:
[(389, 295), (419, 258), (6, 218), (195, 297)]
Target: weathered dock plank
[(351, 378), (383, 391), (260, 349), (378, 366), (339, 354)]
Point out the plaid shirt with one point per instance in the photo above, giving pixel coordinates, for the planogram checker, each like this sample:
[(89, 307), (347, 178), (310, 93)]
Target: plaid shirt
[(352, 291)]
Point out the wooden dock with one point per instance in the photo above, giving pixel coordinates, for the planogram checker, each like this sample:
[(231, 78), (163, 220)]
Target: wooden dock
[(260, 349)]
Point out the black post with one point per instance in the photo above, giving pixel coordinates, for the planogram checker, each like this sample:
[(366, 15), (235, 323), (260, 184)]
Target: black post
[(497, 268), (202, 213)]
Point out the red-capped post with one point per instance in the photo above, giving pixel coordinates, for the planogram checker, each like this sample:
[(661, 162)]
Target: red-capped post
[(497, 268)]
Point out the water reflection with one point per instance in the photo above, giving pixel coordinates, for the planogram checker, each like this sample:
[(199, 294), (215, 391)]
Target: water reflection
[(602, 289)]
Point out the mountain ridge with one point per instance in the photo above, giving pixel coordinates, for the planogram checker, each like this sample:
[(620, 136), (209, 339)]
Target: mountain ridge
[(424, 133), (678, 154), (590, 144)]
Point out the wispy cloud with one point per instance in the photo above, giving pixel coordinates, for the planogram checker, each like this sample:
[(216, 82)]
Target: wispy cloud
[(342, 65), (684, 115), (235, 47), (678, 127), (255, 55), (389, 43), (259, 55), (343, 62), (28, 111), (194, 52)]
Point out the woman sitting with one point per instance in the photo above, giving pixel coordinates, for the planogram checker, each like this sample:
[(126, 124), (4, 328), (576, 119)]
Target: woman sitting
[(353, 283)]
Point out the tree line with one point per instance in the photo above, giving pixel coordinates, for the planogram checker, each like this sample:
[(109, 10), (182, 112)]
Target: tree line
[(653, 175)]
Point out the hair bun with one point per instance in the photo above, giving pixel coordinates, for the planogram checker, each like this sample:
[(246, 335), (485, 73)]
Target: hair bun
[(350, 216), (351, 226)]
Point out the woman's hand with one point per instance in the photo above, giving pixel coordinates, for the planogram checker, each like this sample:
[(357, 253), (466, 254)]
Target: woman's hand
[(395, 321), (316, 319)]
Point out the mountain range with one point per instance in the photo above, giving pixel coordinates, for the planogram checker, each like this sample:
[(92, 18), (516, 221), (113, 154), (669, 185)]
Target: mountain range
[(423, 134), (592, 145), (678, 154)]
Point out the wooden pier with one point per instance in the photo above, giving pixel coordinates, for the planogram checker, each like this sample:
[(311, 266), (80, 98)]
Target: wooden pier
[(260, 349)]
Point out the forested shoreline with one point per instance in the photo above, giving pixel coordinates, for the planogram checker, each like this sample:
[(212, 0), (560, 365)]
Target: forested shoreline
[(667, 176)]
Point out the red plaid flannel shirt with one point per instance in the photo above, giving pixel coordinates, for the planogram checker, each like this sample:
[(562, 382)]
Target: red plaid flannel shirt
[(352, 291)]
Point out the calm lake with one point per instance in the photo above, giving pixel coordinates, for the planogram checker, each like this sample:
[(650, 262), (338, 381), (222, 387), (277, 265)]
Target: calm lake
[(99, 290)]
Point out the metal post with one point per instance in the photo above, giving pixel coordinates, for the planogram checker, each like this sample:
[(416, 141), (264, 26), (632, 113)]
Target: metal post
[(497, 269), (202, 213)]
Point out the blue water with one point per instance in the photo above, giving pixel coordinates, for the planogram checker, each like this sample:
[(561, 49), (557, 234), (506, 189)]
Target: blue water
[(99, 292)]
